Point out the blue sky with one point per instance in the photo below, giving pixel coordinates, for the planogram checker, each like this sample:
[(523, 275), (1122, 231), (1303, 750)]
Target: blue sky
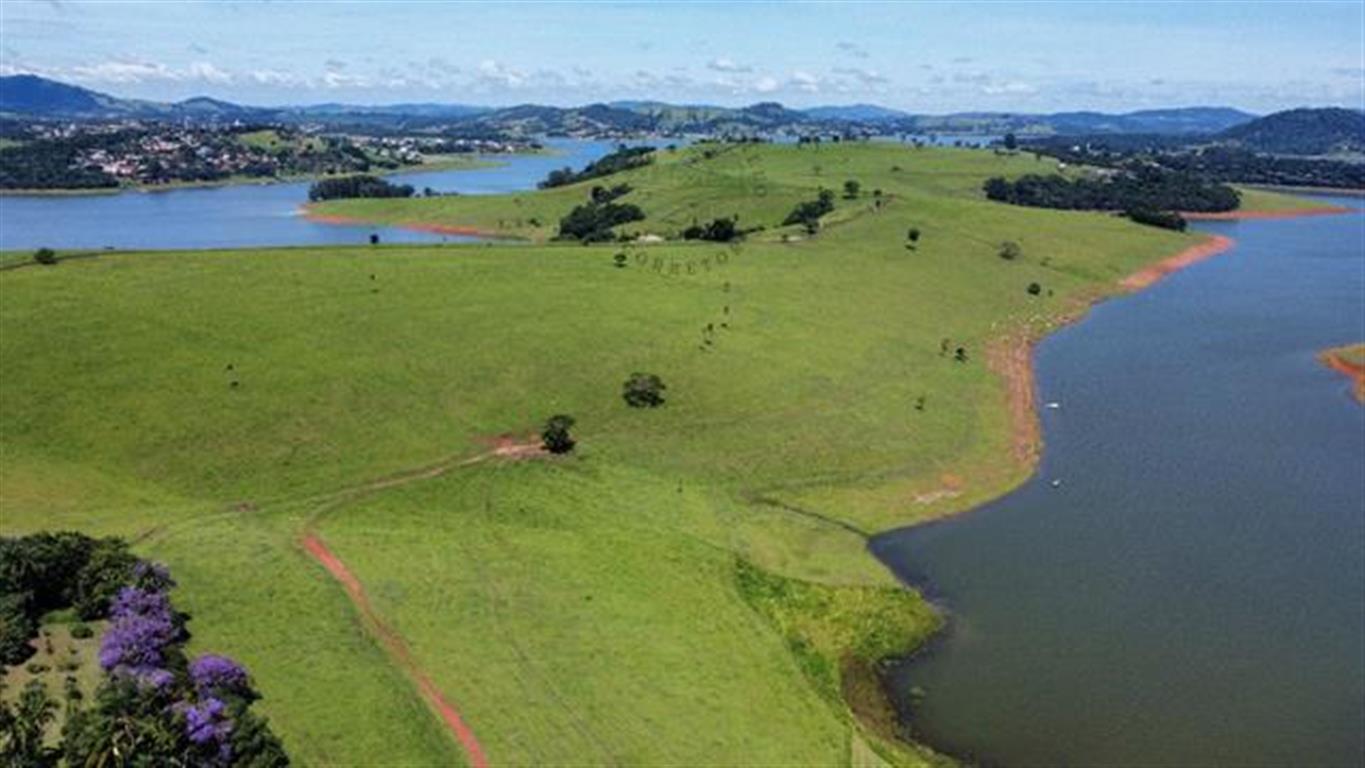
[(919, 56)]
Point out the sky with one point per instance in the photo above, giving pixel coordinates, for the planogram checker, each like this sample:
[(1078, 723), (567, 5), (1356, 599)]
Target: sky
[(924, 57)]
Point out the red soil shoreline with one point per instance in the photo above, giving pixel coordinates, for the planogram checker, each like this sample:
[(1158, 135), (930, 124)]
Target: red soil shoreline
[(1353, 371), (1288, 213), (1011, 356), (396, 648), (1192, 255), (440, 229)]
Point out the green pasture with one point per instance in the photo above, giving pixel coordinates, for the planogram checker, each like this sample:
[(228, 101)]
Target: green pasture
[(595, 608)]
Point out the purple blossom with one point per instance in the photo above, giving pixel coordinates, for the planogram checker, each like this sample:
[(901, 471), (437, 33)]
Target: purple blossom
[(132, 601), (153, 577), (142, 626), (213, 673), (208, 723)]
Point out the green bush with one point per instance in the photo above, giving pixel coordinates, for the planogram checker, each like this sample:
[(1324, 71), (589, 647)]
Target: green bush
[(45, 256), (555, 436), (643, 390)]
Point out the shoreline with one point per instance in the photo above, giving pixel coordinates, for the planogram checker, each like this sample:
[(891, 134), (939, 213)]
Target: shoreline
[(1287, 213), (1336, 360), (1012, 357), (306, 210)]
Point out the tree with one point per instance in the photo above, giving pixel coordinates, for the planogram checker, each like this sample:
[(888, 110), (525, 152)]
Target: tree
[(22, 728), (913, 235), (1034, 289), (45, 256), (643, 390), (620, 260), (555, 436), (1011, 142), (851, 189), (1010, 250)]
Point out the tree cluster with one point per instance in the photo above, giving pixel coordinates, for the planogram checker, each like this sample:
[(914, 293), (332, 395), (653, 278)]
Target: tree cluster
[(360, 185), (1147, 188), (623, 159), (643, 390), (808, 213), (154, 705), (1163, 219), (721, 230), (592, 222)]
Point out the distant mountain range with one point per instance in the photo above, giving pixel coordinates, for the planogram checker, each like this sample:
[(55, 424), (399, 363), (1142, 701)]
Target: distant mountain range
[(1329, 131), (33, 97)]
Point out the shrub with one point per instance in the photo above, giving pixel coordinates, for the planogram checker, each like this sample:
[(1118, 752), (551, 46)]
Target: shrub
[(719, 230), (620, 260), (851, 189), (82, 631), (37, 668), (45, 256), (1034, 289), (1010, 250), (555, 436), (913, 235), (643, 390)]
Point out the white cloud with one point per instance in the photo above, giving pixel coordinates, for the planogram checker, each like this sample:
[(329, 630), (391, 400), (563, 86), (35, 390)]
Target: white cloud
[(1013, 88), (765, 84), (867, 77), (494, 73), (805, 82), (202, 70), (723, 64)]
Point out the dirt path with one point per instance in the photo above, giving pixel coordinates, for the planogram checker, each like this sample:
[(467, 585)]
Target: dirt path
[(504, 447), (395, 647)]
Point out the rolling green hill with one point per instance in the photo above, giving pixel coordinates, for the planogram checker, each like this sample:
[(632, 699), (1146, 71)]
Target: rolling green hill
[(691, 585)]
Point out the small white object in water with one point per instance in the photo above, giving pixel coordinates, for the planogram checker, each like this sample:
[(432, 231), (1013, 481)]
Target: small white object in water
[(1054, 405), (1056, 483)]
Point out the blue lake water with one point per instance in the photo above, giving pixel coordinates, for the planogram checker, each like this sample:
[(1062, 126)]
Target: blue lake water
[(252, 215), (1193, 592)]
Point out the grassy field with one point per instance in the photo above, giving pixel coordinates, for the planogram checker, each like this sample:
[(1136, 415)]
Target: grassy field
[(691, 585)]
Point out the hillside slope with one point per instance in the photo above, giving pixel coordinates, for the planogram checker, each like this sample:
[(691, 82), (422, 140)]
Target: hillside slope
[(691, 585)]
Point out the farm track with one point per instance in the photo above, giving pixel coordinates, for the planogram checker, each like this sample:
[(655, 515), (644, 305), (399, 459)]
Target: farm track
[(388, 638)]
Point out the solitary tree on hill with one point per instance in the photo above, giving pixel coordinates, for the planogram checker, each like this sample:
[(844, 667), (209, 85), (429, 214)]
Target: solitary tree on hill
[(851, 189), (555, 436)]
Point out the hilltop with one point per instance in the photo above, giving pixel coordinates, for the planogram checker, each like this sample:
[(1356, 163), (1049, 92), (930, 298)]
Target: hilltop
[(1329, 131), (33, 97)]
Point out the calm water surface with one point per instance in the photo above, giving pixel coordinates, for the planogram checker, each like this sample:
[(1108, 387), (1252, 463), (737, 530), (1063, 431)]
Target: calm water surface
[(251, 215), (1193, 593)]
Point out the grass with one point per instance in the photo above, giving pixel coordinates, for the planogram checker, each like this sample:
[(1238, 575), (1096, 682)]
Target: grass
[(586, 608), (1262, 200)]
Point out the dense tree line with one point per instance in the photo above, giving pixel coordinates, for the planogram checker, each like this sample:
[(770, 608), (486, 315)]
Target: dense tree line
[(1150, 189), (48, 165), (1215, 162), (360, 185), (623, 159), (1163, 219), (154, 704)]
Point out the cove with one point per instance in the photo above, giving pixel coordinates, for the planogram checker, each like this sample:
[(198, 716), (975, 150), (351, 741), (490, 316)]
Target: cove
[(1182, 582), (254, 215)]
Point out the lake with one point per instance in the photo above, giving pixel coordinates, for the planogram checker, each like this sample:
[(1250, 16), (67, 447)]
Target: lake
[(254, 214), (1193, 592)]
